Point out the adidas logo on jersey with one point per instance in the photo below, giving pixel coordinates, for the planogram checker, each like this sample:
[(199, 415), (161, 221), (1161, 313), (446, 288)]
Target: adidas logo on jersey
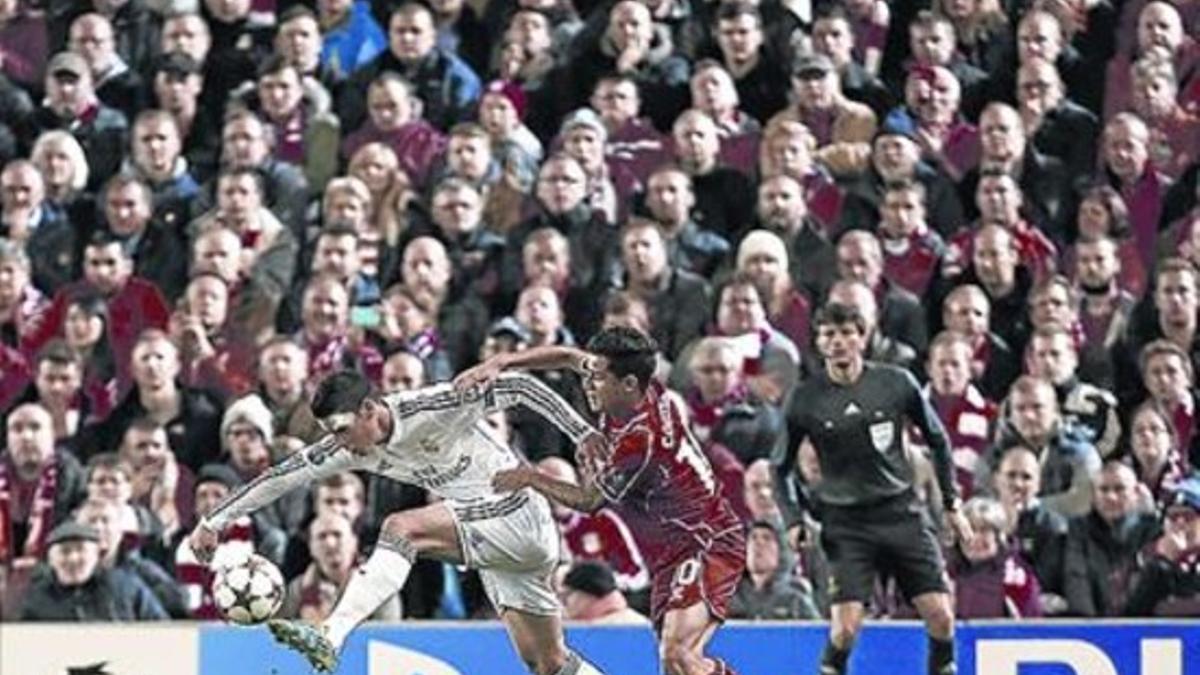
[(852, 409)]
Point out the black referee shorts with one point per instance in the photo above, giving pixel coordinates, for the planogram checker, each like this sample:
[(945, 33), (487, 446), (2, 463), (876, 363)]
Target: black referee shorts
[(893, 538)]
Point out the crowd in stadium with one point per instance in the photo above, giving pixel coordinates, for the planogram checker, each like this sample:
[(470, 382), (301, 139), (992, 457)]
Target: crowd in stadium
[(208, 206)]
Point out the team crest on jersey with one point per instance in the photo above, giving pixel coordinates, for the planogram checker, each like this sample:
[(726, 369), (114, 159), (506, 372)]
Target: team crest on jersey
[(428, 446), (882, 435)]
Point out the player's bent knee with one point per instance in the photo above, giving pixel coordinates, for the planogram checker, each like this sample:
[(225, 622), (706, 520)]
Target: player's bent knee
[(940, 621), (676, 655)]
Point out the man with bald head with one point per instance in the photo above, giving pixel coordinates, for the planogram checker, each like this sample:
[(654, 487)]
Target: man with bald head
[(462, 317), (880, 346), (602, 535), (994, 364), (42, 482)]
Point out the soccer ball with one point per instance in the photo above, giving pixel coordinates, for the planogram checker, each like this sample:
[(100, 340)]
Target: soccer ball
[(248, 591)]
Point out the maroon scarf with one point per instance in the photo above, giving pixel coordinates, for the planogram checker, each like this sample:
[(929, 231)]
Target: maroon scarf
[(40, 516), (706, 416)]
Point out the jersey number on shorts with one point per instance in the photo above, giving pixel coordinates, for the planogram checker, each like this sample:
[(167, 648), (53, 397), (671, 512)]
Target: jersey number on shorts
[(689, 453), (687, 573)]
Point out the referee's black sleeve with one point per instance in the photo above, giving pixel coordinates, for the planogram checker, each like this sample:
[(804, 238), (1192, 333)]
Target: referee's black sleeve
[(921, 413), (783, 461)]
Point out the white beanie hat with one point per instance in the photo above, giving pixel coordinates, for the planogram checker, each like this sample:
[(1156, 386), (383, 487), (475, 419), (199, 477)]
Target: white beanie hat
[(762, 241), (250, 409)]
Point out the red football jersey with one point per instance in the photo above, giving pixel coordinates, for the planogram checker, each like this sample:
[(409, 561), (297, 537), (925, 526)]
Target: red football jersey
[(659, 480)]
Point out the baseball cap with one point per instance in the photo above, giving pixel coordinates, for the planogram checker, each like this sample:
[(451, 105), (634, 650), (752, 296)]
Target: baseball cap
[(1186, 494), (68, 63), (591, 577), (72, 531), (812, 64), (509, 327)]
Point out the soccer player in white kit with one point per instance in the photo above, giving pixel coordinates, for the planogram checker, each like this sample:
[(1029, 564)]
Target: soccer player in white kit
[(434, 438)]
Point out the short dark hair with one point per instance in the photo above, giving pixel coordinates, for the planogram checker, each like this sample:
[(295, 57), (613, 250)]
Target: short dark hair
[(341, 392), (728, 11), (628, 352), (275, 63), (58, 353), (836, 314)]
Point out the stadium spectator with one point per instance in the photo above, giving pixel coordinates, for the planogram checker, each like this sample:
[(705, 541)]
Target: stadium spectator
[(394, 118), (933, 43), (994, 364), (678, 300), (42, 485), (1168, 376), (722, 409), (461, 316), (176, 86), (335, 552), (247, 143), (247, 441), (1154, 449), (350, 37), (1055, 124), (120, 554), (21, 303), (912, 253), (191, 416), (769, 359), (969, 417), (670, 197), (446, 84), (723, 194), (900, 314), (983, 31), (1174, 132), (1103, 545), (58, 387), (64, 168), (158, 483), (501, 113), (117, 84), (29, 219), (71, 105), (153, 244), (407, 324), (835, 34), (1053, 357), (993, 262), (812, 258), (931, 114), (1043, 35), (1166, 583), (1068, 459), (590, 595), (764, 591), (989, 580), (739, 30), (1105, 308), (156, 157), (787, 148), (633, 142), (298, 39), (1036, 533), (842, 128), (86, 335), (1125, 157), (77, 588), (713, 92), (283, 384), (763, 257)]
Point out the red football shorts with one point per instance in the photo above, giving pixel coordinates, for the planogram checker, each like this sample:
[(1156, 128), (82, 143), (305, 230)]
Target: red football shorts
[(711, 576)]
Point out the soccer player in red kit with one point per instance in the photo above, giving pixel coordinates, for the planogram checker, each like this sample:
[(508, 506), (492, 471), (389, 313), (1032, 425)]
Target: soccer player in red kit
[(657, 478)]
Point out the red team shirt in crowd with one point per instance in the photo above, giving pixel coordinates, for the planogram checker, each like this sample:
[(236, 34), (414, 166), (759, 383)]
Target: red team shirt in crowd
[(659, 480)]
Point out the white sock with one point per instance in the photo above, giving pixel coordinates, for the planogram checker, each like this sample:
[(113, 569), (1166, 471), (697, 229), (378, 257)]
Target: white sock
[(576, 665), (381, 577)]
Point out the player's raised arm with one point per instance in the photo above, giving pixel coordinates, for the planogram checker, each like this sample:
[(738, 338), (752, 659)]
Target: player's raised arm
[(310, 464), (535, 358)]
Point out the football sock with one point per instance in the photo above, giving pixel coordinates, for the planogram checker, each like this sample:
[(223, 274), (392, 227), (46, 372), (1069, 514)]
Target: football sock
[(381, 577), (833, 659), (722, 668), (941, 656)]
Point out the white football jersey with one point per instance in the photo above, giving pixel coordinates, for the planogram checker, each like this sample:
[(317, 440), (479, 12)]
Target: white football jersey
[(438, 442)]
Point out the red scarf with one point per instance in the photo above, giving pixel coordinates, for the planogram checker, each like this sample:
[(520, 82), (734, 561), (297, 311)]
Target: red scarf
[(40, 516), (706, 416)]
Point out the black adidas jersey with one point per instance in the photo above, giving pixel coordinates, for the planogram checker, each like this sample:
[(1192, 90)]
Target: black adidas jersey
[(858, 433)]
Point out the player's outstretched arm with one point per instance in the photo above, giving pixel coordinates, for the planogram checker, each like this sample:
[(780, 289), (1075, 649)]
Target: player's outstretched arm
[(512, 389), (583, 497), (312, 463), (536, 358)]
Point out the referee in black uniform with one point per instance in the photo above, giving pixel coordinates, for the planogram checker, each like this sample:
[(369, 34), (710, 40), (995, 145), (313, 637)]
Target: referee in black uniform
[(854, 415)]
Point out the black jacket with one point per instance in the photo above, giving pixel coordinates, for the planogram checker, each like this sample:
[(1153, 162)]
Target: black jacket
[(1100, 562)]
